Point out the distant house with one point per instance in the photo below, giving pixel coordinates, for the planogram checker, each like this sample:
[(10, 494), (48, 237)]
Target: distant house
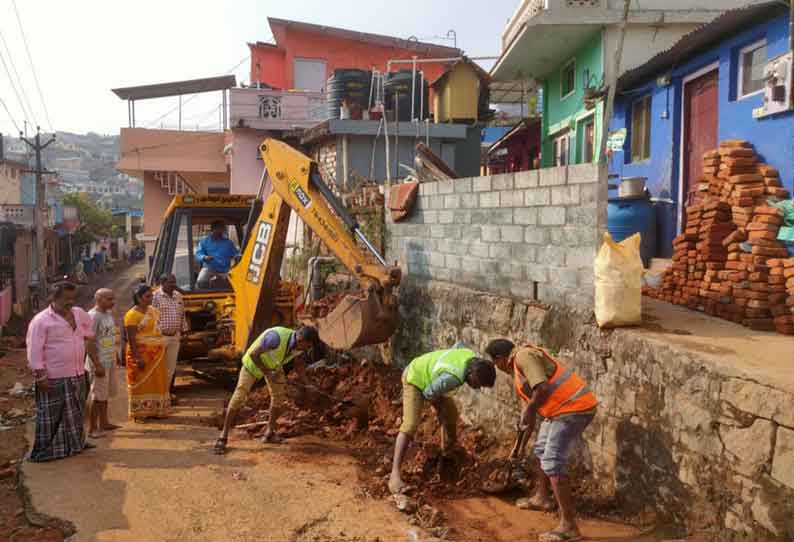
[(517, 150), (12, 174), (304, 55), (288, 80), (461, 93), (565, 49), (706, 88)]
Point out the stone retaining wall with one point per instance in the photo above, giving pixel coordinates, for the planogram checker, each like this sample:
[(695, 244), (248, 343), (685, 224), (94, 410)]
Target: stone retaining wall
[(675, 437)]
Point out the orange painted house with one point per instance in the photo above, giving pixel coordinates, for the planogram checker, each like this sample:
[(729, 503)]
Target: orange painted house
[(305, 54)]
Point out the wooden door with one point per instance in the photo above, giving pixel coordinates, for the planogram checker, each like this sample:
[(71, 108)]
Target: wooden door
[(700, 128)]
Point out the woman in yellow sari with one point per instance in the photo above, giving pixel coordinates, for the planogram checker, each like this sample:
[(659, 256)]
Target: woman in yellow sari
[(147, 374)]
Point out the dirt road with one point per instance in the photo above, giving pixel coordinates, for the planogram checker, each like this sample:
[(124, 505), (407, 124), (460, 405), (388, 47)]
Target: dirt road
[(160, 482)]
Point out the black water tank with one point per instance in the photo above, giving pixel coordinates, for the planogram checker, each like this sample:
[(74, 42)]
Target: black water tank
[(401, 82), (349, 86)]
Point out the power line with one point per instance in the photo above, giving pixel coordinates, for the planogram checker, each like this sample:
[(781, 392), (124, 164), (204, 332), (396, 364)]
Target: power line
[(13, 86), (194, 96), (32, 67), (10, 116), (16, 73)]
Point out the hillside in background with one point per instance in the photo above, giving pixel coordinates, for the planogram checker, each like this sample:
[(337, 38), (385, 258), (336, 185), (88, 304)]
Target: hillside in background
[(85, 163)]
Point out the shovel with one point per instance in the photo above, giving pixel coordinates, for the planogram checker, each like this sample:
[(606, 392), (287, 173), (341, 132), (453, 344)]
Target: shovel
[(493, 486)]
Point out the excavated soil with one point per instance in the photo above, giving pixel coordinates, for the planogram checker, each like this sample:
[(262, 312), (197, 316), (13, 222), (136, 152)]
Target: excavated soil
[(368, 425)]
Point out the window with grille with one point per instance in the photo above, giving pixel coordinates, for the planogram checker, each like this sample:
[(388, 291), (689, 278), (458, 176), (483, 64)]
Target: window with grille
[(568, 79), (752, 60), (641, 129)]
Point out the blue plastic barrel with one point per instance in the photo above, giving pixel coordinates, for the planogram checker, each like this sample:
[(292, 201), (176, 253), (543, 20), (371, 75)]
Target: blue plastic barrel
[(665, 226), (627, 216)]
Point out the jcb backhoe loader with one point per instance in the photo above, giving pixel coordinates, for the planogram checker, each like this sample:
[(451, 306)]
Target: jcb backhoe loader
[(225, 316)]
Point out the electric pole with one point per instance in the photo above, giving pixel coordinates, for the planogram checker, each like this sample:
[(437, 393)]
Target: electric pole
[(39, 275)]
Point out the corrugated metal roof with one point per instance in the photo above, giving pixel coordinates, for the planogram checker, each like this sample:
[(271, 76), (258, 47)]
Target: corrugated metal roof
[(176, 88), (703, 37)]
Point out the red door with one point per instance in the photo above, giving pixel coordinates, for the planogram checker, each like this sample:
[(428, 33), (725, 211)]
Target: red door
[(700, 128)]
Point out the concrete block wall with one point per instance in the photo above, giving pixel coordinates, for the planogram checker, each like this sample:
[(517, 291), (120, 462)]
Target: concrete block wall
[(530, 234)]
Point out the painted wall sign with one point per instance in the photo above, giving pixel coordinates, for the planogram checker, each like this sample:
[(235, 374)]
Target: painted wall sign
[(616, 140), (259, 251)]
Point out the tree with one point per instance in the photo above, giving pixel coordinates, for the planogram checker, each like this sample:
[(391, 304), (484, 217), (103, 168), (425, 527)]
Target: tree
[(95, 222)]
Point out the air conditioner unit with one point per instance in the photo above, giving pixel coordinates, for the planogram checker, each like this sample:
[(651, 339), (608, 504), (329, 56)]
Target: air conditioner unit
[(777, 86)]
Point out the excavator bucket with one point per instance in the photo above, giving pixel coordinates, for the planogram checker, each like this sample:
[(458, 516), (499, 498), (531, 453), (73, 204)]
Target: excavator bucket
[(358, 320)]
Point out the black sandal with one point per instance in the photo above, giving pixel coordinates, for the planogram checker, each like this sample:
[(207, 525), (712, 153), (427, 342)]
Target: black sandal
[(220, 446)]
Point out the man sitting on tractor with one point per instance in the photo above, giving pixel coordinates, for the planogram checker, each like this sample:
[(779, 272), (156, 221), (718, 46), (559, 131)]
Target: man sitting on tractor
[(216, 254)]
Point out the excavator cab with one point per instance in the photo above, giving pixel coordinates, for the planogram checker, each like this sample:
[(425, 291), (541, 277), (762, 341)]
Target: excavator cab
[(187, 221), (180, 236)]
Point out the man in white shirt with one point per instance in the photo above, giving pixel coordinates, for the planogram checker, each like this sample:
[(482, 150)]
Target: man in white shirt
[(103, 387)]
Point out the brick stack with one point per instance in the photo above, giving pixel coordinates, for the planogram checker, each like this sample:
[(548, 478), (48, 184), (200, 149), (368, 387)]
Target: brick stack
[(782, 311), (757, 295), (714, 226), (728, 262), (788, 275)]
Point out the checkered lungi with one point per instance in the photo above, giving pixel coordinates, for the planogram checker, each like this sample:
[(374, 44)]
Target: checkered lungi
[(59, 419)]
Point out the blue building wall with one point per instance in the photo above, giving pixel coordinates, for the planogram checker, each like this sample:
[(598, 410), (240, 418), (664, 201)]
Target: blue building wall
[(772, 137)]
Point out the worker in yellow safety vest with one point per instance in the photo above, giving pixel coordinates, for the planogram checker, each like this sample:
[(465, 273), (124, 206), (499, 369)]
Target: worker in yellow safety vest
[(567, 406), (270, 356), (431, 377)]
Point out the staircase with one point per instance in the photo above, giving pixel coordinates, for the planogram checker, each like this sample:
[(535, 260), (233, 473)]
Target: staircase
[(173, 183)]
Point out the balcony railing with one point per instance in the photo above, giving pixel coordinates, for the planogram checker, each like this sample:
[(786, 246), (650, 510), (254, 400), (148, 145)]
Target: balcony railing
[(531, 8), (275, 109)]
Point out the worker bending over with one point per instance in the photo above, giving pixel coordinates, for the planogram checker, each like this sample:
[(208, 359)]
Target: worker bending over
[(430, 378), (567, 405), (271, 356)]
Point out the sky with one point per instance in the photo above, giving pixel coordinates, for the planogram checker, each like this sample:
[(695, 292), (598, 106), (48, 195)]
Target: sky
[(84, 48)]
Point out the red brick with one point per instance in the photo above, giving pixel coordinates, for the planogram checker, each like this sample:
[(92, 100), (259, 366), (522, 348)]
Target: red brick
[(760, 324), (766, 210)]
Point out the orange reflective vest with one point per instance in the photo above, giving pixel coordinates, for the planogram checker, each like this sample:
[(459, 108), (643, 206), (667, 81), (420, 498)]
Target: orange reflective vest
[(568, 393)]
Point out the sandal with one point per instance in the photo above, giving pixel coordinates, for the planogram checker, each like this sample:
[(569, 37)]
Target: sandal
[(527, 504), (220, 446)]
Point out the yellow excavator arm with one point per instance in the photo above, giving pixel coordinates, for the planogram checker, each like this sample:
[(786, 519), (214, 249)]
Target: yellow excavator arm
[(291, 182)]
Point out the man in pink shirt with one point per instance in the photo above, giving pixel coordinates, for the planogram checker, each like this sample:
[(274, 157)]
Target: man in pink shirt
[(58, 339)]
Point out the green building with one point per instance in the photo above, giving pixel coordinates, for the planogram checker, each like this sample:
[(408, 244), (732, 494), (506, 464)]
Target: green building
[(565, 49)]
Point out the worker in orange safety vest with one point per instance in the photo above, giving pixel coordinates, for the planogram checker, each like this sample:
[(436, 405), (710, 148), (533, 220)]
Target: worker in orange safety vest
[(567, 406)]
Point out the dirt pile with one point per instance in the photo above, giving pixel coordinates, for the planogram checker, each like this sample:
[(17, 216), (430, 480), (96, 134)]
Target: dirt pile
[(368, 424)]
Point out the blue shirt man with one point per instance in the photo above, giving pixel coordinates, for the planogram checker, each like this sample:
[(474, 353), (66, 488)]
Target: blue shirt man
[(216, 252)]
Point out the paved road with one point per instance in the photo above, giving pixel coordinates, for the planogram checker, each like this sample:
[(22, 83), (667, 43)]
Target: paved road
[(160, 482)]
